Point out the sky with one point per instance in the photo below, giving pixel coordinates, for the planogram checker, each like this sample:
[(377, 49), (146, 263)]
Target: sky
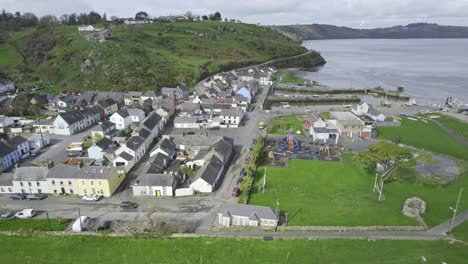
[(351, 13)]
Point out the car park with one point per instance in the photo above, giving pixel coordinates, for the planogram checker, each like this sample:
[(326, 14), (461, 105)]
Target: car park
[(7, 214), (35, 196), (235, 192), (128, 204), (17, 196), (91, 198), (26, 213)]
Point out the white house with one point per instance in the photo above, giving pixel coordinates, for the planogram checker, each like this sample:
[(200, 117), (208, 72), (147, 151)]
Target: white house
[(6, 183), (121, 119), (69, 123), (154, 123), (6, 121), (101, 149), (30, 180), (87, 28), (137, 115), (158, 184), (38, 141), (124, 159), (231, 117), (21, 145), (166, 147), (186, 122), (207, 177), (360, 109), (135, 146), (247, 215), (322, 131)]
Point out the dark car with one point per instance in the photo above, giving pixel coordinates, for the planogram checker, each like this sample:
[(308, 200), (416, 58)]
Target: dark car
[(7, 214), (242, 172), (17, 196), (190, 133), (36, 196), (128, 204), (104, 225)]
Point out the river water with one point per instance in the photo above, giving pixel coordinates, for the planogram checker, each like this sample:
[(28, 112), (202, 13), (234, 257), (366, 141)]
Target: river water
[(429, 69)]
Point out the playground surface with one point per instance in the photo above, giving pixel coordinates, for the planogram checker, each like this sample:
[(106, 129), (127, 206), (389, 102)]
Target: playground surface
[(321, 193)]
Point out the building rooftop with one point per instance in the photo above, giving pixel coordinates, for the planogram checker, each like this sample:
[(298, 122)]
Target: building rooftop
[(251, 211)]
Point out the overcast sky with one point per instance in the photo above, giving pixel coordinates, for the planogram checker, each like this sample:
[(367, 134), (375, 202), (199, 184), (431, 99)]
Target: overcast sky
[(352, 13)]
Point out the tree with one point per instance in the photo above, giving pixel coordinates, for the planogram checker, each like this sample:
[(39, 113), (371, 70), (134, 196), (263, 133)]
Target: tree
[(72, 20), (141, 15), (47, 21), (205, 17), (385, 154), (217, 16), (189, 15)]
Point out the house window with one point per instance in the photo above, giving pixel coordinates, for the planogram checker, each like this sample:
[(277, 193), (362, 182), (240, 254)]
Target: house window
[(9, 189), (53, 182), (83, 183), (55, 191), (39, 190), (38, 184), (61, 182), (71, 191), (92, 183), (100, 183), (69, 183), (85, 192), (101, 191), (2, 190), (22, 191), (21, 183)]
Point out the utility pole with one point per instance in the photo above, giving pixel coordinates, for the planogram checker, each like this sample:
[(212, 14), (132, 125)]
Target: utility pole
[(455, 209), (48, 220)]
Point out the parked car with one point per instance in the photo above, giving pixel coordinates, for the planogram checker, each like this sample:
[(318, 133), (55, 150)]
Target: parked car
[(91, 197), (128, 204), (17, 196), (190, 133), (235, 192), (86, 138), (80, 224), (242, 172), (247, 161), (36, 196), (7, 214), (104, 225), (26, 213)]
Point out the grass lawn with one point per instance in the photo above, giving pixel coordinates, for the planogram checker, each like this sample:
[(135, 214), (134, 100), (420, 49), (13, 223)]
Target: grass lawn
[(340, 194), (33, 224), (76, 249), (290, 77), (456, 125), (325, 115), (283, 124), (426, 136), (8, 56), (461, 231)]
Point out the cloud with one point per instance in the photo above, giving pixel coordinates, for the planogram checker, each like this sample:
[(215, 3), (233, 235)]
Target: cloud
[(354, 13)]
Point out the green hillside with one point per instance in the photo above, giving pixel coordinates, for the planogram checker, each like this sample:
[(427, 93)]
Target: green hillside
[(140, 57)]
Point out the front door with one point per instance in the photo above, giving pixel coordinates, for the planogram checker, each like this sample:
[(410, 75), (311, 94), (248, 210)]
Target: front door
[(158, 193), (63, 190)]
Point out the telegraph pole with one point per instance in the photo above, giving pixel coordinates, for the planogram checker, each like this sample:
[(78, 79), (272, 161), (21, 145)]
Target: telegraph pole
[(455, 209), (48, 220), (79, 219)]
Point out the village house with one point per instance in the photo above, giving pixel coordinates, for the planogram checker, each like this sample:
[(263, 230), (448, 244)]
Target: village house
[(63, 179), (87, 28), (153, 123), (104, 148), (180, 92), (155, 184), (246, 215), (6, 121), (244, 92), (109, 105), (125, 117), (44, 126), (125, 160), (101, 180), (21, 145), (38, 141), (6, 183), (7, 86), (69, 123), (101, 35), (366, 109), (231, 117), (137, 22), (104, 129), (349, 125), (166, 147), (9, 156), (30, 180)]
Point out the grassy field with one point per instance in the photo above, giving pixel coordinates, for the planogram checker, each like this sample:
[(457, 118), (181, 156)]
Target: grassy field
[(456, 125), (340, 194), (110, 250), (426, 136), (283, 124), (33, 224), (145, 57), (8, 55), (290, 77), (461, 232)]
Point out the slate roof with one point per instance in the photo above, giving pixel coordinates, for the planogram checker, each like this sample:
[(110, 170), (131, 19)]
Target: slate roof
[(16, 141), (124, 155), (72, 117), (144, 133), (123, 113), (95, 172), (343, 116), (209, 172), (158, 164), (64, 172), (104, 143), (155, 179), (5, 149), (135, 142), (167, 146), (151, 121), (223, 148), (30, 174), (106, 102), (134, 111), (251, 211)]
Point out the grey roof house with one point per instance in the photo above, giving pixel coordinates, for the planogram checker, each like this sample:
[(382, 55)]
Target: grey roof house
[(246, 215)]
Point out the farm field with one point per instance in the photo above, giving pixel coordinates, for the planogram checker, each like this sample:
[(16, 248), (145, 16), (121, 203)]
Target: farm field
[(426, 136), (320, 193), (54, 249), (283, 124)]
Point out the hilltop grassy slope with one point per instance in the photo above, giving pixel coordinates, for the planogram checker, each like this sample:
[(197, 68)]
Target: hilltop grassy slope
[(142, 57)]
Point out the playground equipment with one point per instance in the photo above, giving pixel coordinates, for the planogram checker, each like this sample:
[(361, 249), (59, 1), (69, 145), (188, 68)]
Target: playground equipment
[(292, 142), (323, 151)]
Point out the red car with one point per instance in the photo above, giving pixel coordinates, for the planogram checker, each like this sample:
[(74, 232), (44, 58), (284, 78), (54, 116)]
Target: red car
[(235, 192), (247, 160), (86, 138)]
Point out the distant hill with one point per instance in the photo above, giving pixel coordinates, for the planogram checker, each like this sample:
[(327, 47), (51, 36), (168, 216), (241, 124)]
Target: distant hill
[(417, 30), (140, 57)]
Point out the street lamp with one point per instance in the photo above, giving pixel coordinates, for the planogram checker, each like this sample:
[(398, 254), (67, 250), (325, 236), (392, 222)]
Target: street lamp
[(455, 210)]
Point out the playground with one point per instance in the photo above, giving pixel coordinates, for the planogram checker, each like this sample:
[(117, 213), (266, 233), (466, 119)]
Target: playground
[(280, 150)]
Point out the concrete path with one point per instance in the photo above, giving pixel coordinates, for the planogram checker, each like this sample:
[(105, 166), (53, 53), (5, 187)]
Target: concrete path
[(444, 227)]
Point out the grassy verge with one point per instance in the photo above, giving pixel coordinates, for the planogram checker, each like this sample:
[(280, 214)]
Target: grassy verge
[(289, 77), (9, 56), (426, 136), (461, 232), (283, 124), (456, 125), (33, 224), (340, 194), (218, 250)]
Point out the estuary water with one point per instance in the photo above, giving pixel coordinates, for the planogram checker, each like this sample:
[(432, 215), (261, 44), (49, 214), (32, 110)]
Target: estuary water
[(429, 69)]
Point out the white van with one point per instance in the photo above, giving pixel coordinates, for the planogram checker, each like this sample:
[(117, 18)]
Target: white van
[(77, 227), (26, 213)]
